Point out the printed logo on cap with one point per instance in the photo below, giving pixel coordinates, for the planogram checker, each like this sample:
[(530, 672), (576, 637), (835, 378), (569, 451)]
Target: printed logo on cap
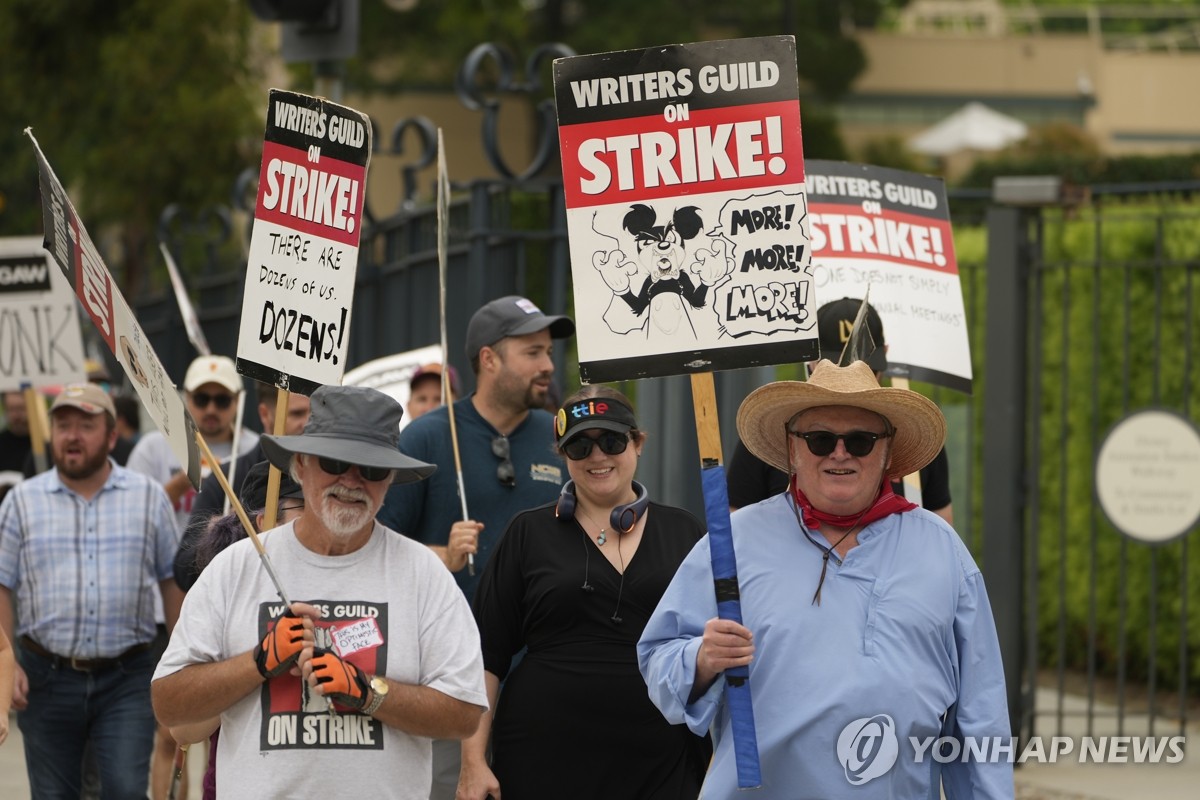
[(528, 307), (560, 422), (845, 328), (590, 408)]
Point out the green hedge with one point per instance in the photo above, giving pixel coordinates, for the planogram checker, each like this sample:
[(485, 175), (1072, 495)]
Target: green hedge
[(1115, 302)]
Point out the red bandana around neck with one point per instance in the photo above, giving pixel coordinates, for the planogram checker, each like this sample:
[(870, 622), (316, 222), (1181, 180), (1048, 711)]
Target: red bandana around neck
[(886, 502)]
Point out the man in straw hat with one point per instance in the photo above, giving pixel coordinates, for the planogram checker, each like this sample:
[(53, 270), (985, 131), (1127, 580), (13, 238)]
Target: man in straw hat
[(867, 628), (750, 479), (84, 549), (350, 686)]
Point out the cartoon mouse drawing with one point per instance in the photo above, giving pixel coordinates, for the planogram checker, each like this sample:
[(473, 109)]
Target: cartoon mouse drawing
[(666, 281)]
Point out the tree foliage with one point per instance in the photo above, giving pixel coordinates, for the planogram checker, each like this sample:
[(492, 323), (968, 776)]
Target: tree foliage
[(143, 104), (137, 105), (422, 47)]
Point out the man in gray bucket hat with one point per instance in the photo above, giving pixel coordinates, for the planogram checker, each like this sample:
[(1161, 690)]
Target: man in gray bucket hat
[(354, 682)]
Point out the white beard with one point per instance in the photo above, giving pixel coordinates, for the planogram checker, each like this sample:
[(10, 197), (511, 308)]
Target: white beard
[(345, 521)]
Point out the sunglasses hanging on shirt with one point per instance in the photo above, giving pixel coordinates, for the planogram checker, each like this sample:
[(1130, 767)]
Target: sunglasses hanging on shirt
[(505, 472)]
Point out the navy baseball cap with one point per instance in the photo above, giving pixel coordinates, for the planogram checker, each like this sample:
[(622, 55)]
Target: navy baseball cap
[(512, 316)]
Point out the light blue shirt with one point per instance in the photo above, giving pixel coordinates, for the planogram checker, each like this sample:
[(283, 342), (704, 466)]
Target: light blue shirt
[(903, 635), (85, 572)]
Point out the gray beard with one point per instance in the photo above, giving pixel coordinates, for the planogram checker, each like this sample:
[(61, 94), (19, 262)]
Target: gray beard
[(345, 522)]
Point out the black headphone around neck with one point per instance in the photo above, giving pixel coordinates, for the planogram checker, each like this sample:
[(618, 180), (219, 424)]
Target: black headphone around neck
[(622, 519)]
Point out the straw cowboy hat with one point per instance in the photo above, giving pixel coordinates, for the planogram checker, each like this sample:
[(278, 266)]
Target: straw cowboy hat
[(353, 424), (764, 414)]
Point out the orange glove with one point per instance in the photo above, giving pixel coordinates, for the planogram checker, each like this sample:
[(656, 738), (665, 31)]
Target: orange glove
[(340, 680), (281, 647)]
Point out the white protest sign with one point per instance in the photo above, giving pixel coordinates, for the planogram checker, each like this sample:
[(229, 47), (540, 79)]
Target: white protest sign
[(40, 339), (191, 322), (683, 174), (890, 230), (71, 246), (392, 374), (304, 250)]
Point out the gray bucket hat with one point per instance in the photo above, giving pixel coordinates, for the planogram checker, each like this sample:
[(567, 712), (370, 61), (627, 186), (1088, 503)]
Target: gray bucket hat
[(353, 424)]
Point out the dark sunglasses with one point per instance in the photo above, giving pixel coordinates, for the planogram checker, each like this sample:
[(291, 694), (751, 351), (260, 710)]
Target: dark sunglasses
[(858, 443), (293, 507), (221, 401), (505, 472), (335, 467), (609, 442)]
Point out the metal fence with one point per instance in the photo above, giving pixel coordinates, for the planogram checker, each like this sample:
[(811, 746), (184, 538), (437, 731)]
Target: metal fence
[(1090, 315)]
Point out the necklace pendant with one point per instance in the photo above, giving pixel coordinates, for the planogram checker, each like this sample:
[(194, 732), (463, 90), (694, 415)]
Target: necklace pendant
[(602, 538)]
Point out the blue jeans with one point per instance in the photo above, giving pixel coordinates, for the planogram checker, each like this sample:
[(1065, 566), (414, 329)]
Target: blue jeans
[(67, 709)]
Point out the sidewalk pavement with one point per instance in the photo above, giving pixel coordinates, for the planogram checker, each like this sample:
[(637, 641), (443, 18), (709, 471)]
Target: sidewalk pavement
[(14, 782), (1066, 779)]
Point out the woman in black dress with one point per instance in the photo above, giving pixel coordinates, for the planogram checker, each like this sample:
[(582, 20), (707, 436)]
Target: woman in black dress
[(573, 583)]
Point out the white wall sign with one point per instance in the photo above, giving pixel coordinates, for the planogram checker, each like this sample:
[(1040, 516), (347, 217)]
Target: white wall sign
[(1148, 476)]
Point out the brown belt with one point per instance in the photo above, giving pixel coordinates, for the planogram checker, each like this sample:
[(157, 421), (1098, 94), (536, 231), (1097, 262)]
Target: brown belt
[(82, 664)]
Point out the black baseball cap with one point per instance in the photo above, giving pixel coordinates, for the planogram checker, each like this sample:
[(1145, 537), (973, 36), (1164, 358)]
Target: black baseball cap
[(512, 316), (254, 487), (592, 413), (835, 320)]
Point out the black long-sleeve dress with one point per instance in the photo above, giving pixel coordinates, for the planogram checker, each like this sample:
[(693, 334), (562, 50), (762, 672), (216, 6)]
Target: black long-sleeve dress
[(574, 718)]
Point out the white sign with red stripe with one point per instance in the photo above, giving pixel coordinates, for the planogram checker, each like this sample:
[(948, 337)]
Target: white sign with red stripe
[(683, 175), (68, 242), (303, 255)]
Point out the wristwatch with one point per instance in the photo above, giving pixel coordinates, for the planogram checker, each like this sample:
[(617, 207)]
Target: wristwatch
[(379, 690)]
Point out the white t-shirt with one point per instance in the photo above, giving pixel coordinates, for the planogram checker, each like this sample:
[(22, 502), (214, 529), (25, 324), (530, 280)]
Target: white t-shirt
[(390, 607), (153, 457)]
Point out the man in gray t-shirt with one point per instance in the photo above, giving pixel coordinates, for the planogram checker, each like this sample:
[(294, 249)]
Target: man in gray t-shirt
[(351, 683)]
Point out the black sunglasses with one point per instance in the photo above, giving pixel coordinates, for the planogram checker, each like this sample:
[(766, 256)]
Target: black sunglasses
[(858, 443), (505, 472), (609, 442), (335, 467), (221, 401)]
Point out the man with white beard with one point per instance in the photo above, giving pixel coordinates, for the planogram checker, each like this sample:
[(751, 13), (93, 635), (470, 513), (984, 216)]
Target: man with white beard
[(385, 641)]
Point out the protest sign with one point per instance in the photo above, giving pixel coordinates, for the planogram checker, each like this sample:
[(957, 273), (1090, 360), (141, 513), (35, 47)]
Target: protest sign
[(392, 374), (683, 176), (191, 322), (304, 250), (890, 230), (71, 246), (40, 340)]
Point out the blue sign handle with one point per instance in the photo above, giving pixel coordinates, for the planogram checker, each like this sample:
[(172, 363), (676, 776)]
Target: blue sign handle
[(729, 606)]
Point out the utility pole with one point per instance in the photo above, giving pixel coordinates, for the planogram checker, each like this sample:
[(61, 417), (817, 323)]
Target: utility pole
[(321, 32)]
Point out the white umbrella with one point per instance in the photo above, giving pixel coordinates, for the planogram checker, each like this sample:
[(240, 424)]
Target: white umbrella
[(972, 127)]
